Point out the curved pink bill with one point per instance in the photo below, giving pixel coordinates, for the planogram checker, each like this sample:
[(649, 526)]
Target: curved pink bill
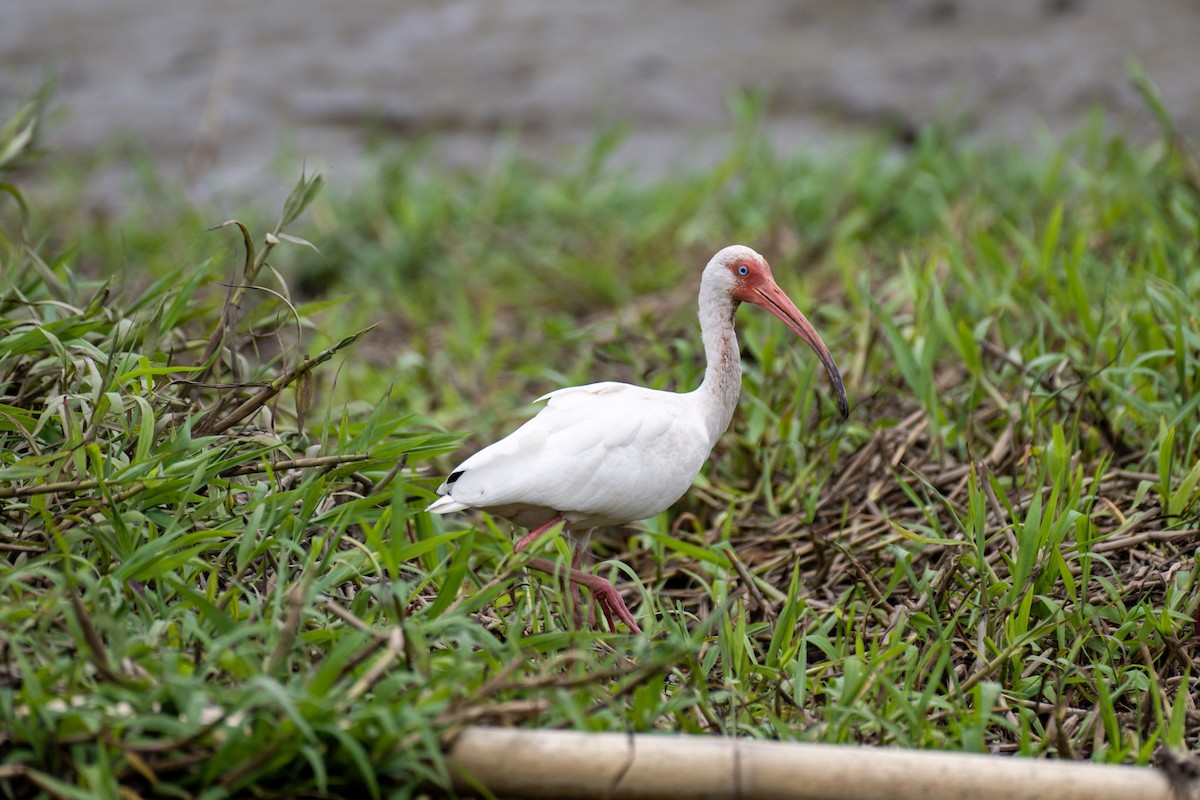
[(771, 297)]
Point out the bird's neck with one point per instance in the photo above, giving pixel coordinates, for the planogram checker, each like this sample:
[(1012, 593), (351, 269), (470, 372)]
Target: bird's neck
[(718, 394)]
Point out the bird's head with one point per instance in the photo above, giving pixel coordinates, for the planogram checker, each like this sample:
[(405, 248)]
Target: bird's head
[(746, 276)]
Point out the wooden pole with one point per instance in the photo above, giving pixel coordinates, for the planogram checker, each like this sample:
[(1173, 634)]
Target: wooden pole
[(567, 764)]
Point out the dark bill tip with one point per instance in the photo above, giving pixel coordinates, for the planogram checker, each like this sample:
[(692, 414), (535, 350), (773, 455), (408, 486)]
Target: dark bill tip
[(839, 388)]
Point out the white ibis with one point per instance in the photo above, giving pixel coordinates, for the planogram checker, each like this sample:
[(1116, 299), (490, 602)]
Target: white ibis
[(611, 453)]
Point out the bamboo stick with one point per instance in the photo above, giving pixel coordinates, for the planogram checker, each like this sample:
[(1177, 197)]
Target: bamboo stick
[(567, 764)]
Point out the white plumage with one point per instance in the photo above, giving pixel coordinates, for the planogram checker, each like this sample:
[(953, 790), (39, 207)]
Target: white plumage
[(610, 453), (601, 454)]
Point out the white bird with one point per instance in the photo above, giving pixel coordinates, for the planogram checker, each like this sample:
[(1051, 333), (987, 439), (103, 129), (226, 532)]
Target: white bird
[(611, 453)]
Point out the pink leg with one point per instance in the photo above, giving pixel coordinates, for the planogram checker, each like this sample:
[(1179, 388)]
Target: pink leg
[(535, 534), (576, 566), (603, 593)]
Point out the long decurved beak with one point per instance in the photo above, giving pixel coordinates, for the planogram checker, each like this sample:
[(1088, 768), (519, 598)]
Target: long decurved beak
[(771, 297)]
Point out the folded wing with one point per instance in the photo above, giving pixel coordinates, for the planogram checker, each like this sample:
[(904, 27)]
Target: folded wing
[(599, 454)]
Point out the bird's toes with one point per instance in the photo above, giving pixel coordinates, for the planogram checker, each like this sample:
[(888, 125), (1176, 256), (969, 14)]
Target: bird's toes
[(614, 608)]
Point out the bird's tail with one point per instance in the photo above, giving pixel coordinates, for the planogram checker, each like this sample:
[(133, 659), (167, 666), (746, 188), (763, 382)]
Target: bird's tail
[(446, 505)]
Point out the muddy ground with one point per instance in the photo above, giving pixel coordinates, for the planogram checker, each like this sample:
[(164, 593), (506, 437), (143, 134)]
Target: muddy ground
[(225, 94)]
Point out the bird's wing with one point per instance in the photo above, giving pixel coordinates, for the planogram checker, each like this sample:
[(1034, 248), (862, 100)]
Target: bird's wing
[(578, 395), (608, 450)]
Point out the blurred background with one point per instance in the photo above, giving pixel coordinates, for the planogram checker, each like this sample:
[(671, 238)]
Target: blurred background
[(213, 91)]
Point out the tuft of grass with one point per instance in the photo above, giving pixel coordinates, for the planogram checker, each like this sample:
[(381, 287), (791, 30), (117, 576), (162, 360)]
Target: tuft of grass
[(218, 578)]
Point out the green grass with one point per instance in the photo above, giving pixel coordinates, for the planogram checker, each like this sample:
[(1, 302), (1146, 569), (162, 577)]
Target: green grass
[(217, 579)]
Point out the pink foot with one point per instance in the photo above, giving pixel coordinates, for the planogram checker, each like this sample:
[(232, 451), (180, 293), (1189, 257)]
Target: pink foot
[(603, 594)]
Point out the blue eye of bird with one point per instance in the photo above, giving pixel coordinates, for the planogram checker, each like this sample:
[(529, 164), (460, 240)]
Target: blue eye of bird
[(743, 270)]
